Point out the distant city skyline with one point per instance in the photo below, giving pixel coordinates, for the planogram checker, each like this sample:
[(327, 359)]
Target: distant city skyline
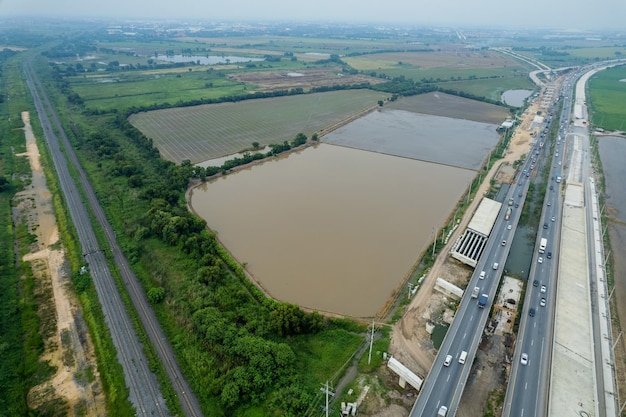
[(562, 14)]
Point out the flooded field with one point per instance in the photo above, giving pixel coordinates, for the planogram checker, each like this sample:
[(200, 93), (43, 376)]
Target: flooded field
[(515, 97), (456, 142), (612, 150), (331, 228)]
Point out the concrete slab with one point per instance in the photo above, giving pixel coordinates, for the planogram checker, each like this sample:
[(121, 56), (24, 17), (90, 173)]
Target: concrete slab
[(572, 388)]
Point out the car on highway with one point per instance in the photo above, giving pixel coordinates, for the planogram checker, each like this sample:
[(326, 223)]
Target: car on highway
[(531, 312), (542, 302), (504, 243), (553, 219), (549, 256), (524, 359), (535, 283), (545, 225), (540, 260), (495, 265), (549, 203), (443, 410), (509, 227), (448, 360), (543, 289), (482, 275)]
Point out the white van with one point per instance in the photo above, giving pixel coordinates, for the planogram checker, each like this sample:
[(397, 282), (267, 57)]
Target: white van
[(462, 357)]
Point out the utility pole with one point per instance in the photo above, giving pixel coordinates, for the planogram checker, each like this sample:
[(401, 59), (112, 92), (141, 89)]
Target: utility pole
[(369, 358), (326, 390)]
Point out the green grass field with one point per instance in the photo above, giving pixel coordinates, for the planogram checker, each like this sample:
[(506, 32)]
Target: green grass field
[(205, 132), (143, 88), (481, 73), (607, 94)]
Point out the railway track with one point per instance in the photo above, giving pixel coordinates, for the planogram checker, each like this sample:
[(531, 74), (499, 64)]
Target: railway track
[(145, 393)]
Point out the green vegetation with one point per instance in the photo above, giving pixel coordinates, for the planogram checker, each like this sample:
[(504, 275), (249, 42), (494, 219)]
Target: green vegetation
[(24, 300), (607, 93), (244, 355), (238, 349), (223, 129)]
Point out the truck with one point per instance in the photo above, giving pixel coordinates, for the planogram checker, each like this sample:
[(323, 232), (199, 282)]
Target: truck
[(482, 301), (475, 292), (543, 244), (507, 215)]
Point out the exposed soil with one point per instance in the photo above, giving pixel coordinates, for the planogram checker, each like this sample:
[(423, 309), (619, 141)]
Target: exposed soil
[(75, 388)]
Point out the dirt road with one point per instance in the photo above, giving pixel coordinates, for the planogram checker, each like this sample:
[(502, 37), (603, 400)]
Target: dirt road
[(69, 348)]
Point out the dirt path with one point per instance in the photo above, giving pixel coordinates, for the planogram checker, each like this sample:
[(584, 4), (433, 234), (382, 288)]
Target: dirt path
[(410, 343), (69, 349)]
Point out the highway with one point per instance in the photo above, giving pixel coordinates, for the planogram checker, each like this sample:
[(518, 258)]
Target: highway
[(144, 391), (444, 385), (527, 390)]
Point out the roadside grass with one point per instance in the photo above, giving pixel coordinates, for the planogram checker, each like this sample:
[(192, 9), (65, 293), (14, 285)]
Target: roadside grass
[(607, 93)]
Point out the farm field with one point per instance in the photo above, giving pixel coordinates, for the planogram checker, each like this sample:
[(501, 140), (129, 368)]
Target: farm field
[(143, 88), (607, 93), (205, 132), (446, 105), (480, 73)]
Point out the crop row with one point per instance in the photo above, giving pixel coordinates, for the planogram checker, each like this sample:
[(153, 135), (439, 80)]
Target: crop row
[(210, 131)]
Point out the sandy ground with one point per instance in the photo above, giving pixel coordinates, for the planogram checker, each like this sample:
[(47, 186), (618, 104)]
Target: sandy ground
[(76, 382), (412, 345)]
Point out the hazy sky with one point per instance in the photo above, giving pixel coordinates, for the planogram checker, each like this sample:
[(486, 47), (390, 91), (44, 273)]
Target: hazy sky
[(570, 14)]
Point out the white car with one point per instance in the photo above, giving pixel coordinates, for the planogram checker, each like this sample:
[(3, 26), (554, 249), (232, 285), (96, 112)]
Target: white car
[(482, 275), (540, 260), (543, 289), (553, 219), (524, 359), (509, 227), (542, 302), (448, 360)]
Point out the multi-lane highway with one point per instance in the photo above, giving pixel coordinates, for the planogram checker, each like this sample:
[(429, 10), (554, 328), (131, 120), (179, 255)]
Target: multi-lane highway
[(144, 391), (444, 384), (527, 393)]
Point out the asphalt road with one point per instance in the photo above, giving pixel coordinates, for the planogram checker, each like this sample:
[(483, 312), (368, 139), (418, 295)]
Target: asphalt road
[(144, 391), (444, 385), (527, 392)]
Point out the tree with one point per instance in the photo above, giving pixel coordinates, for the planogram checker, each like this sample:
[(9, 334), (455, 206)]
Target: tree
[(255, 145), (156, 295), (380, 103)]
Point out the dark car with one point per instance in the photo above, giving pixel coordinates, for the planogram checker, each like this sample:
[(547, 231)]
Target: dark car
[(535, 283), (549, 255), (531, 312), (545, 225)]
